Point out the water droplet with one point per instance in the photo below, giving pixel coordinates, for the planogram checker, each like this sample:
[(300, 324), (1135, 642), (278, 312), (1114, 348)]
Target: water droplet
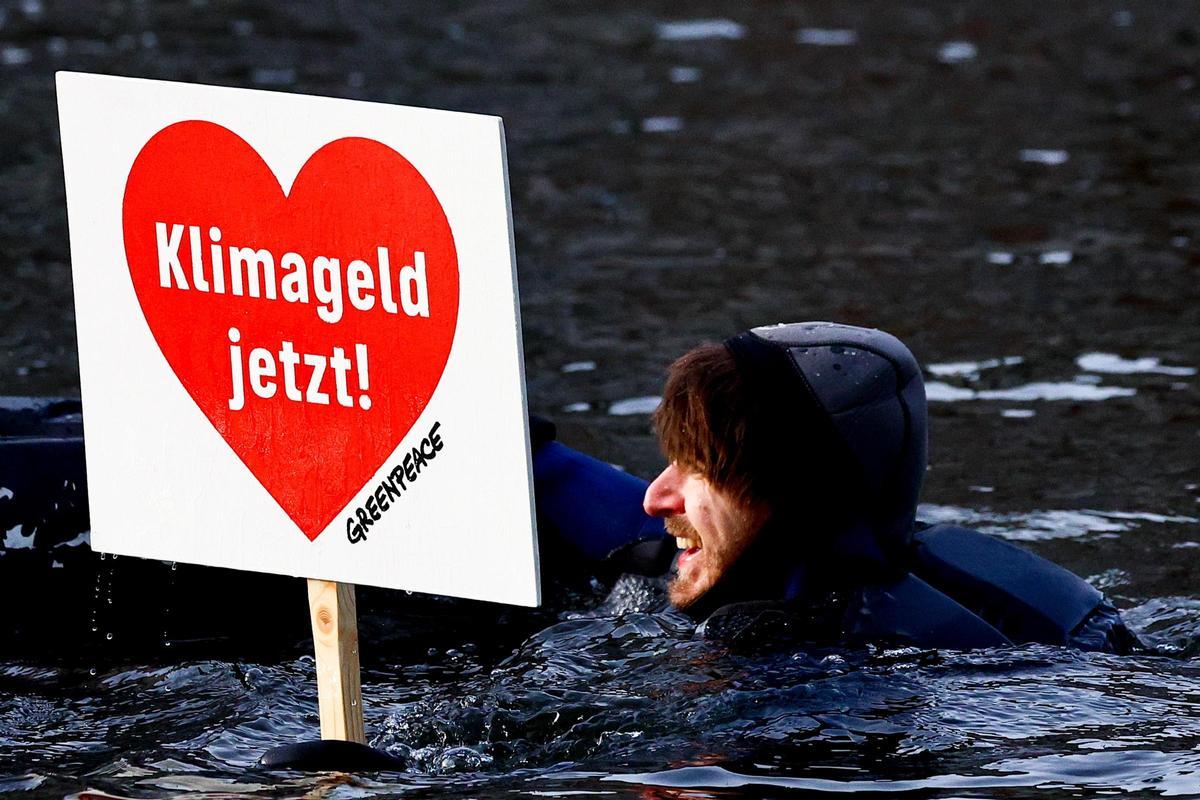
[(92, 671), (108, 636), (174, 566)]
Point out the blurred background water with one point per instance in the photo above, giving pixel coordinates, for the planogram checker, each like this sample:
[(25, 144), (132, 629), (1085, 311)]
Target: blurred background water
[(1010, 188)]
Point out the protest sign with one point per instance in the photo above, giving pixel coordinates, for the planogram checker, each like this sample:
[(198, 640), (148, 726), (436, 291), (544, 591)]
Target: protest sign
[(299, 336)]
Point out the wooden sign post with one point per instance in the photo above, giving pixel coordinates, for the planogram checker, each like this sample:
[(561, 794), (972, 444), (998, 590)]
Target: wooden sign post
[(335, 644), (300, 346)]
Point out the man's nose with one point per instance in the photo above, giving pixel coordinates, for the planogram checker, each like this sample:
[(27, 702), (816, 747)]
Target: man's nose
[(663, 496)]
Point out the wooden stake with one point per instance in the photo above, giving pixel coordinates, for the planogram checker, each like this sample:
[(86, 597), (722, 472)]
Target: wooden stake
[(335, 641)]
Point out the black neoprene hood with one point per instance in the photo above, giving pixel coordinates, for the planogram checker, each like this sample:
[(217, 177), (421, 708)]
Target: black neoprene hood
[(857, 397)]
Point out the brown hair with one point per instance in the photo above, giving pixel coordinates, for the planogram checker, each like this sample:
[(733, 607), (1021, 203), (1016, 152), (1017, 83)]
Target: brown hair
[(706, 423)]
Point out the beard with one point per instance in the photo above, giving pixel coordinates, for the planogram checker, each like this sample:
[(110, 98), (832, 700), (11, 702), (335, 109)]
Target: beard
[(697, 572)]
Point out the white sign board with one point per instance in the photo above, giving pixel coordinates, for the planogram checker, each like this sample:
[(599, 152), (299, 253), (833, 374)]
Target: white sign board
[(299, 337)]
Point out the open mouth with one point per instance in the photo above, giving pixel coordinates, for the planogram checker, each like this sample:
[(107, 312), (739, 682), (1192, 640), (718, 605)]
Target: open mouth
[(686, 538)]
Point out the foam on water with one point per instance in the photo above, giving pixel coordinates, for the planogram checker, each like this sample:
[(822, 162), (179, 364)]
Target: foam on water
[(1113, 364), (972, 368), (684, 74), (957, 52), (1056, 258), (635, 405), (940, 392), (578, 366), (695, 29), (15, 540), (1032, 526), (1050, 158), (84, 538), (13, 56), (662, 124)]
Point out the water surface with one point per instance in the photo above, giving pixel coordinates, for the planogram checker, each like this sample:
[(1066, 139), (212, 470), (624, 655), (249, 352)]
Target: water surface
[(1009, 188)]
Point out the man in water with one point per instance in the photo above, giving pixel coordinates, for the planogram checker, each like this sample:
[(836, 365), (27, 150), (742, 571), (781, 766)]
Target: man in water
[(796, 457), (787, 511)]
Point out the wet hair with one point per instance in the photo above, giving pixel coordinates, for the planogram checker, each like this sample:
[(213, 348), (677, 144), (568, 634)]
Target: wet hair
[(709, 422)]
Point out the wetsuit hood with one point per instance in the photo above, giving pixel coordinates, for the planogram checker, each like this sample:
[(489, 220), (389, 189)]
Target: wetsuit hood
[(850, 403)]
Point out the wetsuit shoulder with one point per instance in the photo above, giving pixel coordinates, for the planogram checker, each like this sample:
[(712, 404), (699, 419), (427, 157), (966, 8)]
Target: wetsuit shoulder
[(1024, 596), (911, 611), (595, 510)]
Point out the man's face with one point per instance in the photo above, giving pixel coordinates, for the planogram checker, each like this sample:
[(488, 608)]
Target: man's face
[(711, 528)]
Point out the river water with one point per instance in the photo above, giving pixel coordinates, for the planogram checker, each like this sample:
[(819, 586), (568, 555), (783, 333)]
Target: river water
[(1010, 188)]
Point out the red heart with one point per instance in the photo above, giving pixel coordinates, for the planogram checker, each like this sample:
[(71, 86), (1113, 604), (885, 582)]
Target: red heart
[(352, 197)]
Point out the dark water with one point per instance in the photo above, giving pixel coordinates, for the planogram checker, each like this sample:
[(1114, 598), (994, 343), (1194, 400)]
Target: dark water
[(1013, 189)]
